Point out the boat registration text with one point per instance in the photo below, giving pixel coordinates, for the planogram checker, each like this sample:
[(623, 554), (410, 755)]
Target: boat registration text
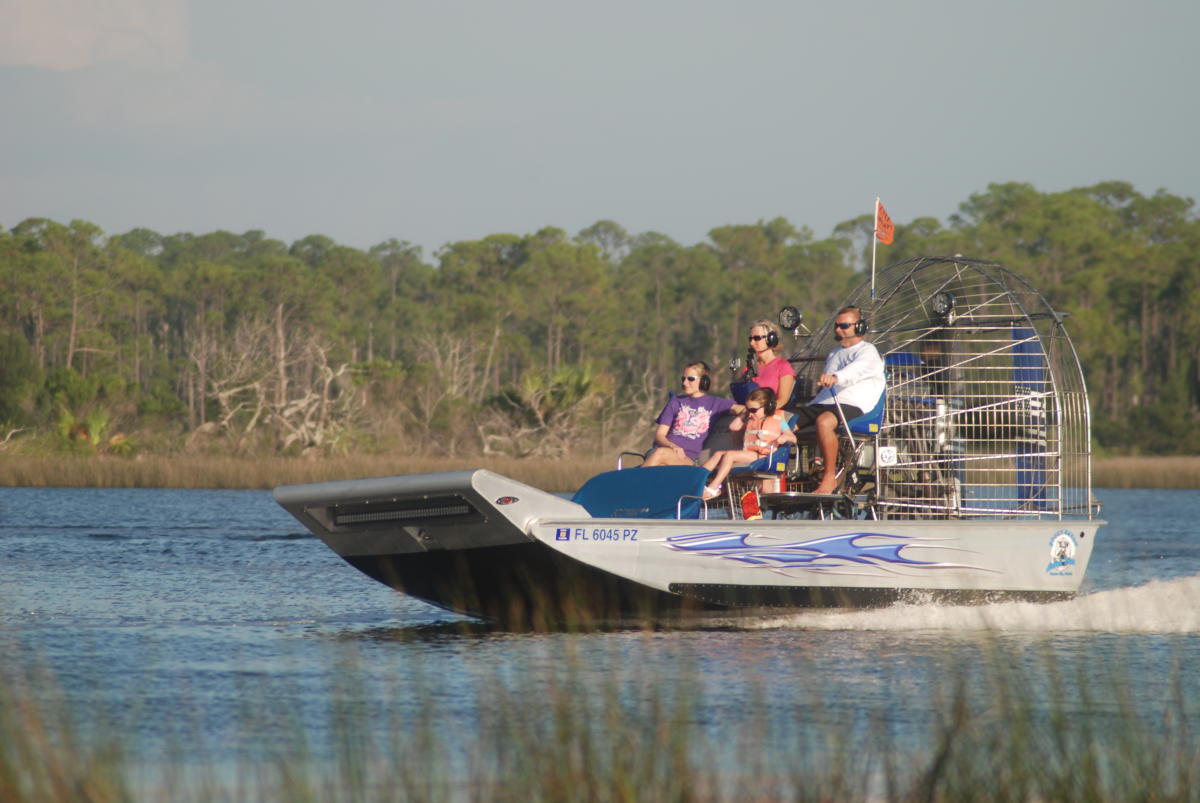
[(595, 534)]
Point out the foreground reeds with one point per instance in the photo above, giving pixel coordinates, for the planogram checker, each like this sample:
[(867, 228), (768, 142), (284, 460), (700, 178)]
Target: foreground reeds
[(559, 475), (1001, 727)]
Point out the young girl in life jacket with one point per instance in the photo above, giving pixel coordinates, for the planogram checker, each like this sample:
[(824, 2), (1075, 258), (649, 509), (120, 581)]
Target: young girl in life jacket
[(765, 430)]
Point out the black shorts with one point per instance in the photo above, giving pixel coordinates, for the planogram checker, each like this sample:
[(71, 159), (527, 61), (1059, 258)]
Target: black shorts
[(807, 416)]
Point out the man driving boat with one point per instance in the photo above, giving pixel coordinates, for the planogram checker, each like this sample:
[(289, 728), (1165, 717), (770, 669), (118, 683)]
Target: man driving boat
[(852, 378)]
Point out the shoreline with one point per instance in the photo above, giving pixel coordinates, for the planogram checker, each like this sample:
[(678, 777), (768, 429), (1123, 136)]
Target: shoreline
[(265, 473), (555, 475)]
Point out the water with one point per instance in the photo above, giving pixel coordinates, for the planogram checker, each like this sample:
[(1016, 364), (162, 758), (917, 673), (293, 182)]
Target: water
[(209, 625)]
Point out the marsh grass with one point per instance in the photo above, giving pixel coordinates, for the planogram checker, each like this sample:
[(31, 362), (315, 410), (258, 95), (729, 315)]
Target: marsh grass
[(559, 476), (1146, 472), (1006, 727), (181, 471)]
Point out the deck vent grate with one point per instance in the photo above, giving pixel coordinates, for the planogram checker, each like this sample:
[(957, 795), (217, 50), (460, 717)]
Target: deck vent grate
[(403, 511)]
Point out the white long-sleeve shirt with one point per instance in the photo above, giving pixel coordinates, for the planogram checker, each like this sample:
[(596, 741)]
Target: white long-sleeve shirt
[(859, 371)]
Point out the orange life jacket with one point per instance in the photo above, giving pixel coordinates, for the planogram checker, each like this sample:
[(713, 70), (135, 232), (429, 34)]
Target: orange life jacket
[(761, 439)]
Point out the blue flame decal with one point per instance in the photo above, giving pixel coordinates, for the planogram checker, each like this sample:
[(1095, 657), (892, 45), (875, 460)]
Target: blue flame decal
[(818, 554)]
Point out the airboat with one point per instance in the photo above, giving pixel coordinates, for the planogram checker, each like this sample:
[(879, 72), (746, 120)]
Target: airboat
[(969, 482)]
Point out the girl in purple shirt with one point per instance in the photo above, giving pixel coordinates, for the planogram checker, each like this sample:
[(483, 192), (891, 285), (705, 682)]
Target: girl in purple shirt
[(684, 423)]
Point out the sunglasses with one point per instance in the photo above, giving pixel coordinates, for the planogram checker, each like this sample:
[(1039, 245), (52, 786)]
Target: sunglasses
[(689, 378), (752, 409), (843, 325), (756, 338)]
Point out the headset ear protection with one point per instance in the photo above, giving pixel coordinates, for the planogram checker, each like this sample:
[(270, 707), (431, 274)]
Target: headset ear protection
[(861, 327), (769, 404), (705, 379), (772, 333)]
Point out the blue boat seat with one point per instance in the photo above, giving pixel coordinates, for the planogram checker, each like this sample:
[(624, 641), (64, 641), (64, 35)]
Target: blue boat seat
[(740, 389), (644, 493), (869, 422), (853, 437), (776, 462), (763, 473)]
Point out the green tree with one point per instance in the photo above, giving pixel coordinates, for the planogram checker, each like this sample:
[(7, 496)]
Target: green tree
[(609, 237), (20, 380), (476, 297)]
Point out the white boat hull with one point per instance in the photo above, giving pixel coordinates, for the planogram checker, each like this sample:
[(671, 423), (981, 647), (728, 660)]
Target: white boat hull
[(482, 544), (723, 561)]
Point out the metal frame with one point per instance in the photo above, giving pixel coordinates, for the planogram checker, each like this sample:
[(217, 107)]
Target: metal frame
[(990, 418)]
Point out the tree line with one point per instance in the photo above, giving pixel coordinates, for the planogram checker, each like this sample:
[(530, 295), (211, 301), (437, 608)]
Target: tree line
[(535, 344)]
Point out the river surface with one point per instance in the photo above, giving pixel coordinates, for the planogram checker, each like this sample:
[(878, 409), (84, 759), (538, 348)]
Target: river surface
[(210, 624)]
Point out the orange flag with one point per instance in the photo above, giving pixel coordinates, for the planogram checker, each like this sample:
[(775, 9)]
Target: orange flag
[(884, 229)]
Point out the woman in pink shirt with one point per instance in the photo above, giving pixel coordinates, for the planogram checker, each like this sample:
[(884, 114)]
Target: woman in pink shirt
[(773, 371)]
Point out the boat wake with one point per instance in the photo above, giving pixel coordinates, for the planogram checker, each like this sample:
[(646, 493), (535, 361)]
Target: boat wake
[(1160, 606)]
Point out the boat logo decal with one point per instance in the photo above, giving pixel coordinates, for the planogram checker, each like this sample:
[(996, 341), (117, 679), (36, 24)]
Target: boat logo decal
[(507, 500), (1062, 554), (832, 554)]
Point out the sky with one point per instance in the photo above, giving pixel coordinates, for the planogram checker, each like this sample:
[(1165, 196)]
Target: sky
[(444, 120)]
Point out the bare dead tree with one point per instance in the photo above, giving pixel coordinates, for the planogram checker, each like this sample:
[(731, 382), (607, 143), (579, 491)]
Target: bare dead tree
[(200, 348), (238, 372), (10, 434), (294, 391), (460, 373), (317, 414)]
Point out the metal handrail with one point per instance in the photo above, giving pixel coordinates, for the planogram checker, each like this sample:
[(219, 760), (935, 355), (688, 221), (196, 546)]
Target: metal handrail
[(679, 505), (621, 458)]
